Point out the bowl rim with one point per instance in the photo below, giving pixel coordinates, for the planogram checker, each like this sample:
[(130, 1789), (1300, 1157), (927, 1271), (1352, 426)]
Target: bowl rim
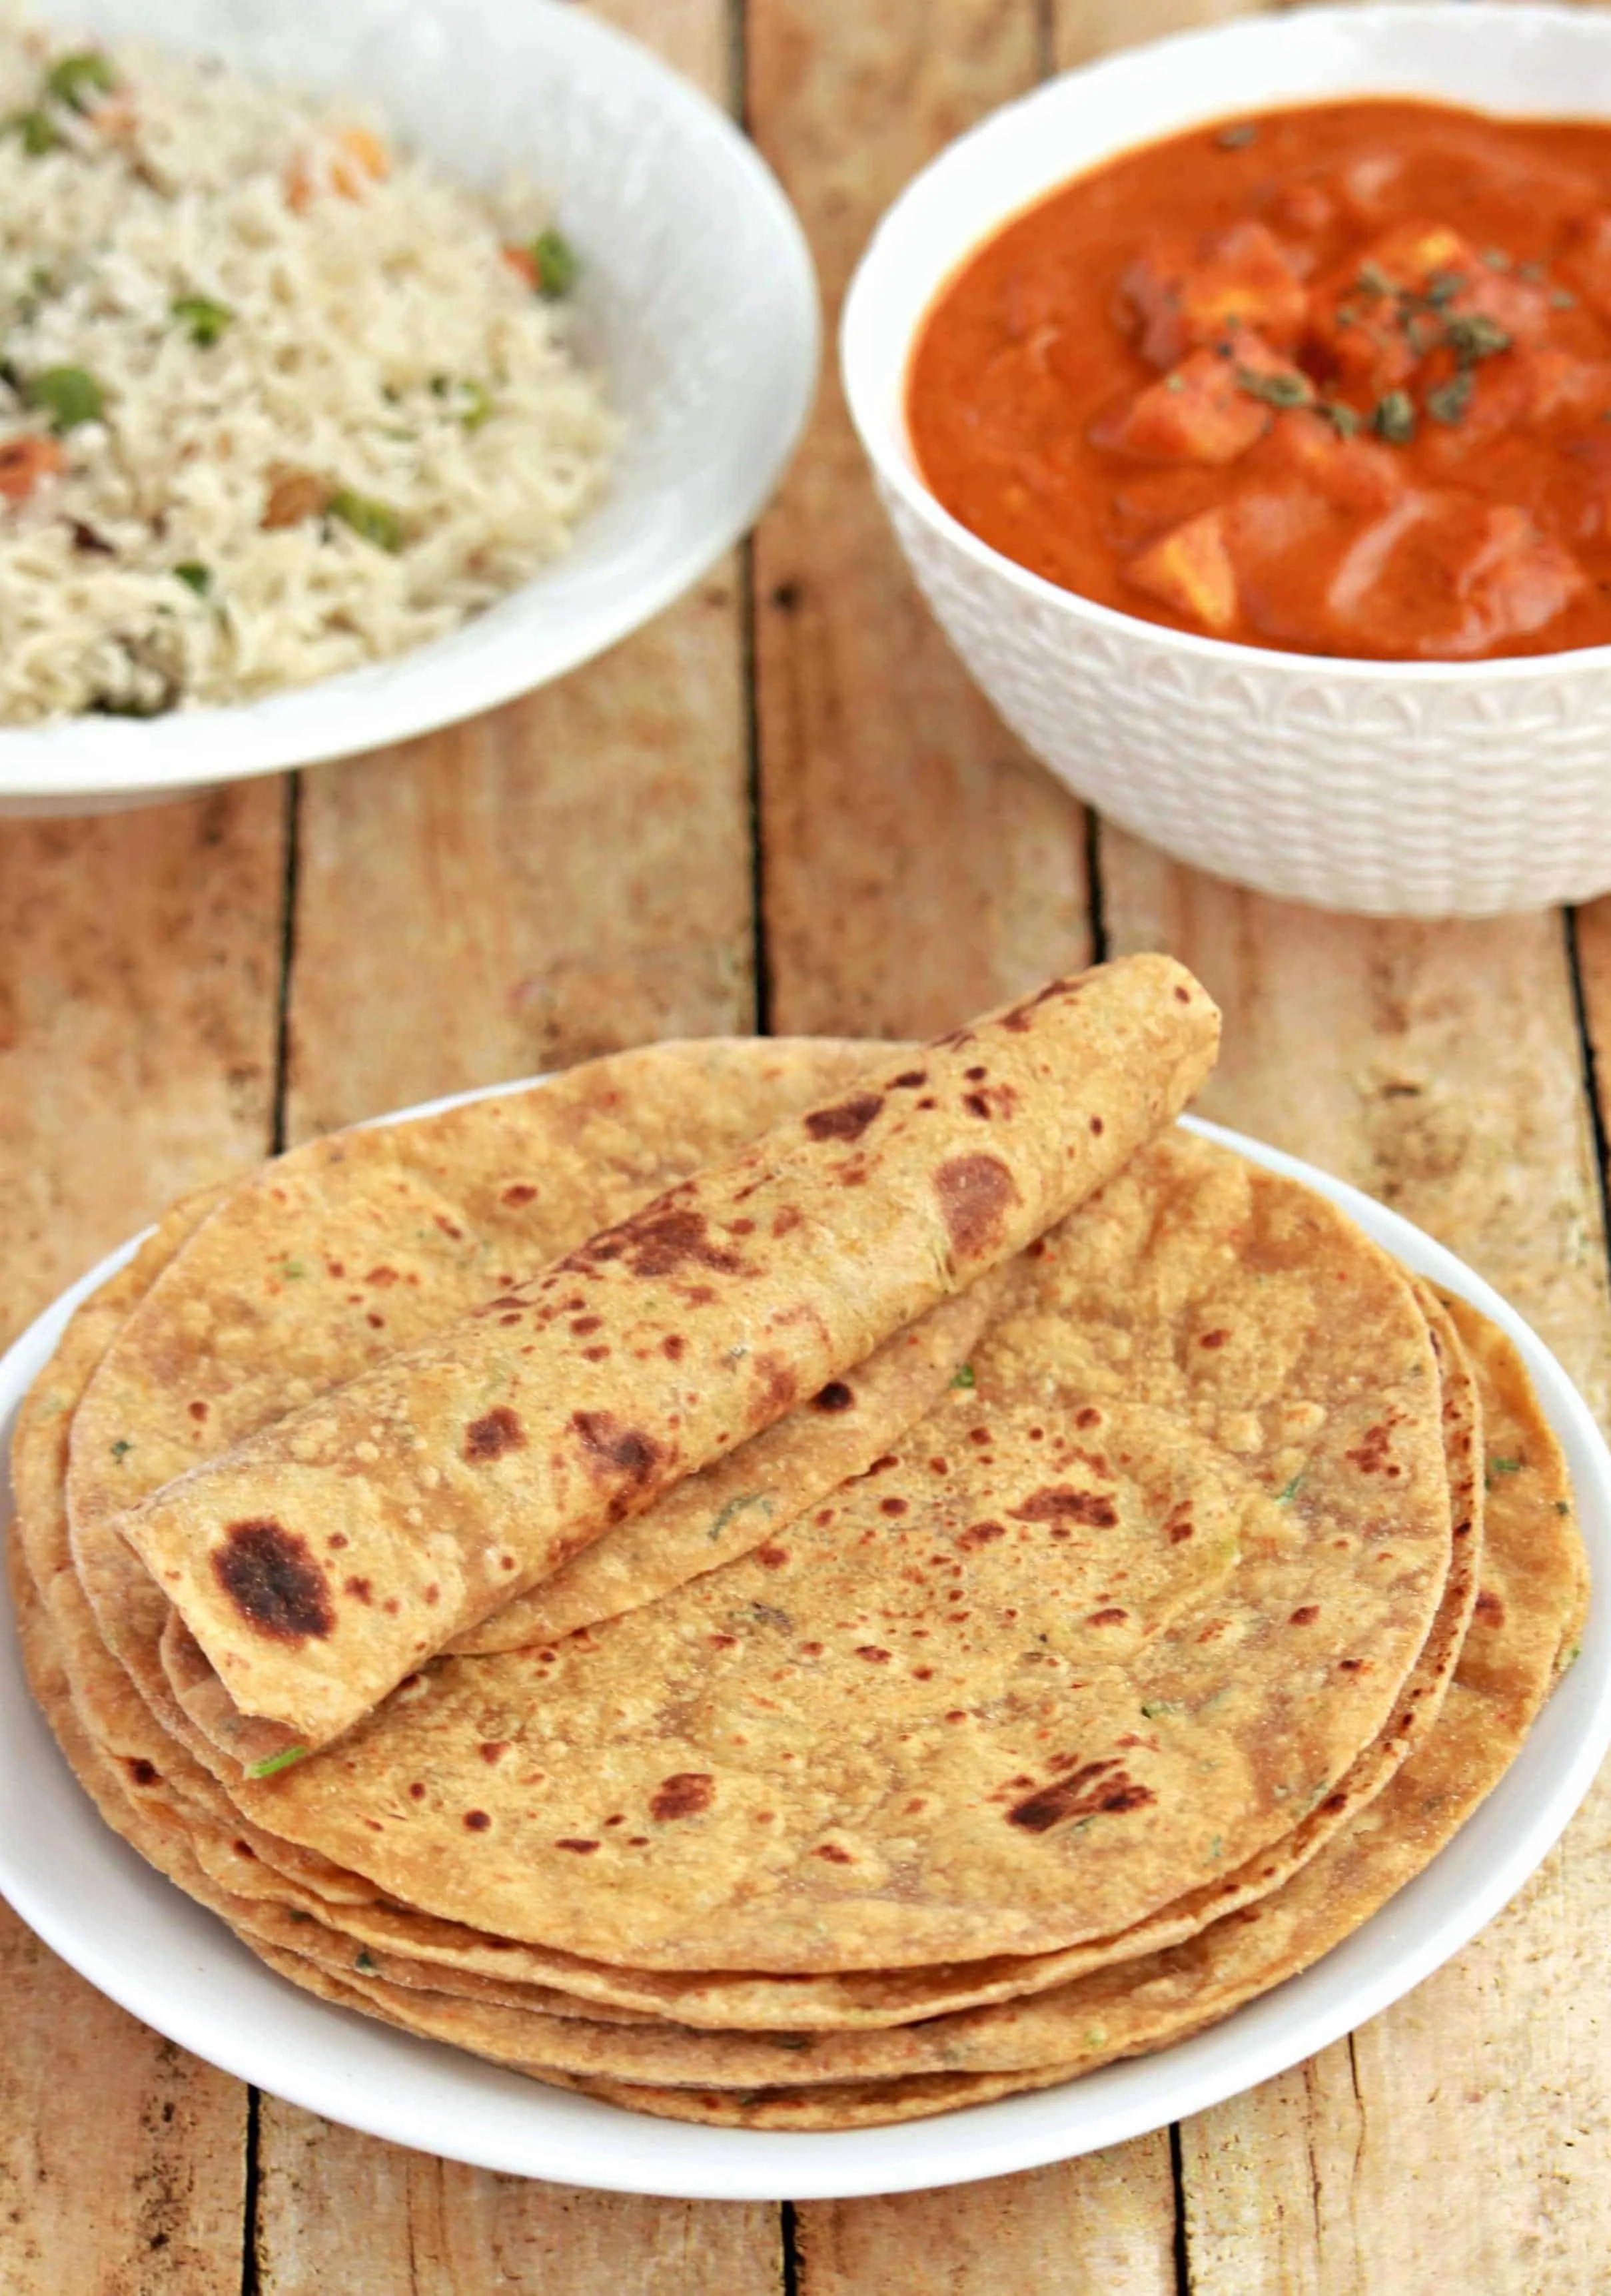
[(401, 697), (896, 472)]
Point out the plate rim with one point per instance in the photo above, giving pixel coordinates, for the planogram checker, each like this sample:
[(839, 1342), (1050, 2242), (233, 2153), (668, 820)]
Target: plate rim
[(508, 2123)]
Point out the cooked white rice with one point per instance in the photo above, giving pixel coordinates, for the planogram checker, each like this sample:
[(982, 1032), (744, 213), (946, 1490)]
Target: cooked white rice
[(379, 342)]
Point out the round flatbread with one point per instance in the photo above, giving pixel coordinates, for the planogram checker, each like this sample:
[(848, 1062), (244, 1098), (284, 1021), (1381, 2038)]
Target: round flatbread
[(1103, 1627)]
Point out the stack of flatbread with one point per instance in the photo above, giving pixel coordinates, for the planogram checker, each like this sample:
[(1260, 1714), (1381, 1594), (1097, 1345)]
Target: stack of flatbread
[(796, 1584)]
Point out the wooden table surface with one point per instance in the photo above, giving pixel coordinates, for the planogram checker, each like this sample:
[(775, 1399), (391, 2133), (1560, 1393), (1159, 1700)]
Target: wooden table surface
[(783, 806)]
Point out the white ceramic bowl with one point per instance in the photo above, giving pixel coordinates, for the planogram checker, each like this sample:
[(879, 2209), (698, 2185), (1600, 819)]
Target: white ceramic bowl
[(1411, 789), (697, 298)]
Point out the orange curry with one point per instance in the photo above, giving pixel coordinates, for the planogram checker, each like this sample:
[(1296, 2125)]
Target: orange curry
[(1336, 380)]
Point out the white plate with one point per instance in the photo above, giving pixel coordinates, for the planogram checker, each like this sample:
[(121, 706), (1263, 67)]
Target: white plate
[(139, 1940), (696, 296)]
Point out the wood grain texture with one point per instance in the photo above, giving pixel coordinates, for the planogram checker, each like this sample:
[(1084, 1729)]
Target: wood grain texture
[(139, 1017), (915, 864), (1100, 2227), (350, 2216), (122, 2158), (1449, 2143), (564, 877), (1083, 28), (139, 982)]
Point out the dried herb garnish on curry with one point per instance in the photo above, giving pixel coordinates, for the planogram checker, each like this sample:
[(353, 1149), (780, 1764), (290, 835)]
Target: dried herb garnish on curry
[(1336, 380)]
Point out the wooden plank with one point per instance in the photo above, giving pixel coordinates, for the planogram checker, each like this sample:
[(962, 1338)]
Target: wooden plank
[(565, 876), (915, 866), (352, 2217), (1084, 28), (1459, 2140), (1100, 2227), (138, 998), (916, 869), (121, 2157), (568, 875), (139, 981)]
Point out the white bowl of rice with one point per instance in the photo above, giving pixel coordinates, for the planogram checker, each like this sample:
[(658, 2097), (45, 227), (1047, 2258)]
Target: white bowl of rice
[(360, 367)]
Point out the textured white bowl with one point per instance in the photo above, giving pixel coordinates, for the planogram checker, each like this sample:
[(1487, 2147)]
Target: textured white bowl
[(1401, 789), (697, 298)]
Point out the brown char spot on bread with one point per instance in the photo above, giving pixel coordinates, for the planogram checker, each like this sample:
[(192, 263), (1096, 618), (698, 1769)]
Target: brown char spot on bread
[(1019, 1019), (848, 1120), (777, 1381), (613, 1449), (504, 1300), (685, 1794), (1061, 1503), (1099, 1787), (974, 1193), (496, 1431), (835, 1397), (664, 1240), (270, 1575), (981, 1534)]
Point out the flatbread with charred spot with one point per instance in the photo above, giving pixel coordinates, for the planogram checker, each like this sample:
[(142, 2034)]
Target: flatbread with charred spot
[(1109, 1622), (326, 1557)]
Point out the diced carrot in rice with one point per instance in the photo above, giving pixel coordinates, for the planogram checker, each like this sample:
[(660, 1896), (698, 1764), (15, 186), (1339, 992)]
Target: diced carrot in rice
[(1189, 568), (353, 159), (294, 495), (25, 460)]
